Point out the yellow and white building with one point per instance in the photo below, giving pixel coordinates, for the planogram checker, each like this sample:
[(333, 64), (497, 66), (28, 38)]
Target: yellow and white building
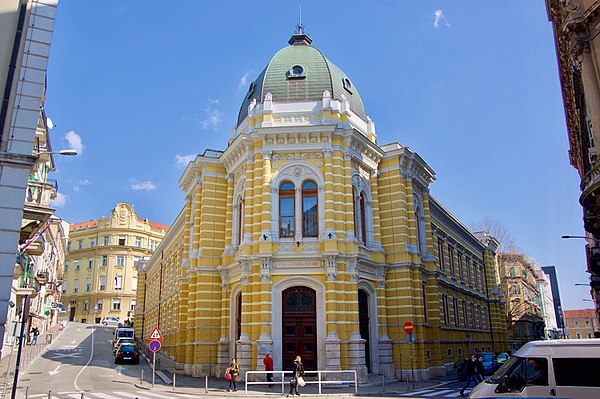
[(306, 237), (100, 278)]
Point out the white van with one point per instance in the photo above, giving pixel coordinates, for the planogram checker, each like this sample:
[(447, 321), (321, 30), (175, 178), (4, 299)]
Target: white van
[(124, 332), (565, 368)]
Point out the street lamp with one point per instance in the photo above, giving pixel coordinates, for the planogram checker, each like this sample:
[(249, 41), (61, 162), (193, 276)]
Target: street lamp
[(61, 152)]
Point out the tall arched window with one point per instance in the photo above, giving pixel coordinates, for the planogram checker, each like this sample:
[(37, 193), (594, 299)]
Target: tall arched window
[(363, 219), (240, 226), (286, 209), (310, 215), (354, 196)]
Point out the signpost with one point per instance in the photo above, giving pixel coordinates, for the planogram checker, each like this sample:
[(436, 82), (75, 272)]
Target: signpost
[(155, 337), (410, 337)]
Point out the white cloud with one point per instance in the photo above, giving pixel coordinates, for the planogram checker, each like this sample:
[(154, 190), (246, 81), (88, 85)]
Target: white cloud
[(141, 185), (59, 201), (74, 141), (440, 19), (213, 118), (85, 182), (244, 80), (213, 101), (182, 160)]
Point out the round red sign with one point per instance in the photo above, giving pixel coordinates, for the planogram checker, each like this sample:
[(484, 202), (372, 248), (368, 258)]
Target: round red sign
[(409, 327)]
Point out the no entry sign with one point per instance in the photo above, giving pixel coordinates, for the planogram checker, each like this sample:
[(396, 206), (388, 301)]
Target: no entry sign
[(409, 327)]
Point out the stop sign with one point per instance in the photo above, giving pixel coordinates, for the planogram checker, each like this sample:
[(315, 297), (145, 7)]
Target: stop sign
[(409, 327)]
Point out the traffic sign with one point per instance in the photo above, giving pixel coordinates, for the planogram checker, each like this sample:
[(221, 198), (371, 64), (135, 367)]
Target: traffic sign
[(409, 327), (154, 346), (155, 335)]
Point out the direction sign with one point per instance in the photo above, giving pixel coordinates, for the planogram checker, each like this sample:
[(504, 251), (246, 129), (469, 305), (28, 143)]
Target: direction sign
[(154, 346), (155, 335), (409, 327)]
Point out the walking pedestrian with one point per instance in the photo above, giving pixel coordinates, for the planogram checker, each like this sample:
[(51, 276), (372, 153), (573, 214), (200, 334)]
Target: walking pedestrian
[(268, 362), (479, 369), (297, 376), (36, 333), (470, 370), (231, 374)]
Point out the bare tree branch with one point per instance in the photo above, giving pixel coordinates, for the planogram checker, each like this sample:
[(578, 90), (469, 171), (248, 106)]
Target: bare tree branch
[(508, 244)]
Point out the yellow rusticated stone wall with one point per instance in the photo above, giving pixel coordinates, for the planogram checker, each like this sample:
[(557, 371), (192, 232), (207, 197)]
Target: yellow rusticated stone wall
[(205, 267)]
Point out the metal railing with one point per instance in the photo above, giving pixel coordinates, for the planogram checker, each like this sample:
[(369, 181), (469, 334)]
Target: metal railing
[(307, 378)]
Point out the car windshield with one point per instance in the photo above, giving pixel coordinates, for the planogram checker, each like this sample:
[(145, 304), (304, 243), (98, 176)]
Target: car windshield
[(496, 378), (127, 348)]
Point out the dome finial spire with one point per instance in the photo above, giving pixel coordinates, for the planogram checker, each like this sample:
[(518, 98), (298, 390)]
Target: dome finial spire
[(300, 38)]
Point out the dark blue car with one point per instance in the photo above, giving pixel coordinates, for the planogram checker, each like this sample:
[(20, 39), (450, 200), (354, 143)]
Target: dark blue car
[(490, 364)]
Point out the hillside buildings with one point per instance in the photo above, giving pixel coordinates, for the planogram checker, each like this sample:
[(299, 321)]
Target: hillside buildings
[(99, 274), (581, 324), (306, 237), (25, 34), (575, 25)]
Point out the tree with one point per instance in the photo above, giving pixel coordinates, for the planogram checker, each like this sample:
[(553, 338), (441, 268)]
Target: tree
[(508, 244)]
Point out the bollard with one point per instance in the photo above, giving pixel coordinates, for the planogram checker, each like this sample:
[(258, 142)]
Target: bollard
[(206, 384), (26, 392), (49, 394), (142, 378), (173, 381), (383, 381), (82, 395)]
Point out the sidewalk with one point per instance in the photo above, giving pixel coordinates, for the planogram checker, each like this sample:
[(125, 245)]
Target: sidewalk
[(376, 387), (29, 354)]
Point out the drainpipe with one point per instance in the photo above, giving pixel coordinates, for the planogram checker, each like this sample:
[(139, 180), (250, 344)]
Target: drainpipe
[(11, 69)]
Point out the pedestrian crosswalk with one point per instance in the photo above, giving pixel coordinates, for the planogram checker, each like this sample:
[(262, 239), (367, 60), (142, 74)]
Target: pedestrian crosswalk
[(139, 394), (440, 392)]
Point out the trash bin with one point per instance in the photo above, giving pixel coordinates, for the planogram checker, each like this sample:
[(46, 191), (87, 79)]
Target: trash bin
[(48, 338)]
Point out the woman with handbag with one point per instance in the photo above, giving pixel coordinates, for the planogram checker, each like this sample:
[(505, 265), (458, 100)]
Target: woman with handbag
[(231, 374), (297, 376)]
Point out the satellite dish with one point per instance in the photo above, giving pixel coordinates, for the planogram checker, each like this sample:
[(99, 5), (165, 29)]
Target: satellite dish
[(49, 123)]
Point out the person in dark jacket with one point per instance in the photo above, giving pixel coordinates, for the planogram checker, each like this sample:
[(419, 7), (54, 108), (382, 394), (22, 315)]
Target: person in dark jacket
[(470, 371), (479, 369), (298, 371)]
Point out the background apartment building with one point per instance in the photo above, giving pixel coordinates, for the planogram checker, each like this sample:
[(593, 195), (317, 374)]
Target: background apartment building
[(581, 324), (99, 274)]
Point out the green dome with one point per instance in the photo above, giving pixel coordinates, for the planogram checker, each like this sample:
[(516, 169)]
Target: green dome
[(298, 73)]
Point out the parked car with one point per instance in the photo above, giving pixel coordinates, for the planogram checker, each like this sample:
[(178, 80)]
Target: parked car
[(502, 357), (127, 353), (490, 364), (124, 332), (111, 321), (120, 341)]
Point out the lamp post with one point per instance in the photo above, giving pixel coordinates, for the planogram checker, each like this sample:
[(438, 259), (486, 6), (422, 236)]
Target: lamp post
[(60, 152), (24, 312)]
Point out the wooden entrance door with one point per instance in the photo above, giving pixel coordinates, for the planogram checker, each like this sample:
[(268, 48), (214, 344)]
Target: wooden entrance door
[(299, 327)]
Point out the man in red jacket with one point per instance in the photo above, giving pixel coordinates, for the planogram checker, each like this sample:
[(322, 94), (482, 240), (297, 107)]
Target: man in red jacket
[(268, 362)]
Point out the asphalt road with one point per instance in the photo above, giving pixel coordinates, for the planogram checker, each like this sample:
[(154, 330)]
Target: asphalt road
[(79, 360)]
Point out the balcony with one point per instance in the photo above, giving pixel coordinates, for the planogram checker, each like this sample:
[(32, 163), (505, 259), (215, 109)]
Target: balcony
[(42, 277), (590, 200), (36, 210)]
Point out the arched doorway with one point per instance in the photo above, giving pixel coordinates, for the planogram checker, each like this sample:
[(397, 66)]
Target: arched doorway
[(299, 327), (363, 317)]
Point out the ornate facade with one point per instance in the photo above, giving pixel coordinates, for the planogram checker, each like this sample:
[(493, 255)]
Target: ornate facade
[(100, 278), (306, 237)]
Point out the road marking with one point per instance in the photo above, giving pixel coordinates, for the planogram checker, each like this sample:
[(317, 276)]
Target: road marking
[(133, 396), (55, 371), (156, 395), (101, 395), (453, 395), (436, 393), (87, 364), (417, 392)]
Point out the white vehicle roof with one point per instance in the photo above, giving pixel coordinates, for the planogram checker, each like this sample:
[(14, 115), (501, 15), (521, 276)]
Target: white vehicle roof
[(561, 348)]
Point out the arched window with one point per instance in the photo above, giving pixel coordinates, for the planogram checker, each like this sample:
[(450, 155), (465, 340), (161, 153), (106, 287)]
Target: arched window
[(310, 214), (354, 196), (420, 223), (363, 219), (240, 224), (286, 209)]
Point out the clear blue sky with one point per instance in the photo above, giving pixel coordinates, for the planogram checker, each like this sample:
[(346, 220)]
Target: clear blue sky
[(472, 86)]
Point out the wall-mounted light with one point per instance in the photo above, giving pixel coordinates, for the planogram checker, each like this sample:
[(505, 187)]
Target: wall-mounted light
[(265, 237), (330, 235)]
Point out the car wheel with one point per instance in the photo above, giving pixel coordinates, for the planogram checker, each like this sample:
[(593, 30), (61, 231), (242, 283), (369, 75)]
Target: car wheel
[(104, 323)]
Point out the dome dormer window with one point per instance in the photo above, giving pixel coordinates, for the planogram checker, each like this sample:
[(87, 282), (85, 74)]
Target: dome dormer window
[(250, 90), (347, 85), (296, 72)]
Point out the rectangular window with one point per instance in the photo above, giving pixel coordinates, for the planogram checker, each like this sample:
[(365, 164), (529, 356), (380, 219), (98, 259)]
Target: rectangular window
[(104, 260), (138, 242), (99, 304), (576, 372), (460, 265), (441, 254), (153, 245), (310, 223), (451, 260), (66, 268), (88, 284), (121, 240), (465, 313), (64, 287), (102, 283), (456, 312), (134, 282), (118, 282), (85, 306), (75, 286), (106, 241), (80, 244), (68, 246), (132, 305), (475, 278), (587, 323), (77, 265), (120, 260), (90, 263), (92, 242), (116, 304), (576, 323), (480, 316), (472, 315), (468, 266), (446, 311), (424, 289), (286, 216)]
